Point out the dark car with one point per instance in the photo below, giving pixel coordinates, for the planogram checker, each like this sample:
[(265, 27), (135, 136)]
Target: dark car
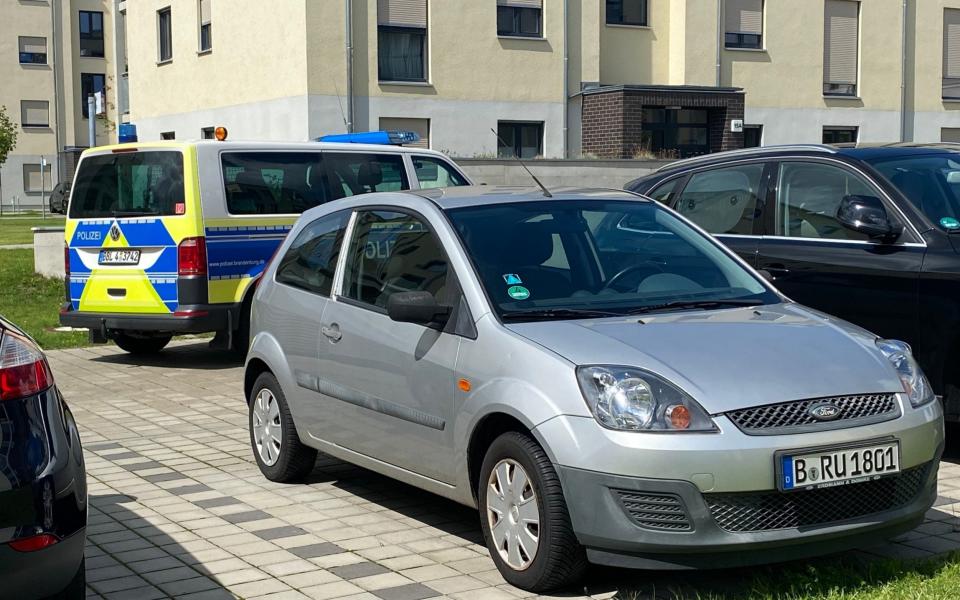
[(43, 489), (870, 234), (60, 198)]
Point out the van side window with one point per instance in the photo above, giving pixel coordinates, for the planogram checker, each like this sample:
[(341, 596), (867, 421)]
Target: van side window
[(723, 200), (311, 260), (435, 173), (258, 183), (352, 173)]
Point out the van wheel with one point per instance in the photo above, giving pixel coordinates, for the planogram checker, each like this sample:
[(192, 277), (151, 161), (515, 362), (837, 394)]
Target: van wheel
[(280, 454), (142, 344), (524, 517)]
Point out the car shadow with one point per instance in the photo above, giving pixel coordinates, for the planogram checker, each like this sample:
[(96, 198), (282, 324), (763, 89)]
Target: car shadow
[(182, 355), (951, 450)]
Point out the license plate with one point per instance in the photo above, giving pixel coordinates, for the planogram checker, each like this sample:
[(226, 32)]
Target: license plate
[(119, 257), (830, 467)]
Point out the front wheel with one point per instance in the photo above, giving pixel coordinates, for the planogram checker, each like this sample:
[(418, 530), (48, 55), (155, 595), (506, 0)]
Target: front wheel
[(524, 517), (142, 344), (280, 454)]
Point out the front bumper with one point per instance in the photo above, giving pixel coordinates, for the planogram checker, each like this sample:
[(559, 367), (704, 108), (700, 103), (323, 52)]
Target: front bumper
[(188, 319), (599, 469)]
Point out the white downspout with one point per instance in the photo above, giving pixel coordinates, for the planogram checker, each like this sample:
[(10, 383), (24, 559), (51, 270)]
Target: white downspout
[(566, 83)]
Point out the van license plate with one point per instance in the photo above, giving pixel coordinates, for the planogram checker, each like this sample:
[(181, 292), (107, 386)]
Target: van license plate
[(836, 467), (119, 257)]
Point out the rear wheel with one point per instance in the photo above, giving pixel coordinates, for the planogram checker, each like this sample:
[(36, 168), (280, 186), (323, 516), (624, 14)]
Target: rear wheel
[(524, 517), (147, 344), (280, 454)]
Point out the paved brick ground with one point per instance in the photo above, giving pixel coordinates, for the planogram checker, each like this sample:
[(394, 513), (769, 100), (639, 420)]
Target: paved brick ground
[(179, 508)]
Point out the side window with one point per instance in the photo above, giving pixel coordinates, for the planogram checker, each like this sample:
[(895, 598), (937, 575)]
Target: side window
[(394, 252), (311, 260), (665, 192), (435, 173), (723, 200), (352, 173), (808, 195), (257, 183)]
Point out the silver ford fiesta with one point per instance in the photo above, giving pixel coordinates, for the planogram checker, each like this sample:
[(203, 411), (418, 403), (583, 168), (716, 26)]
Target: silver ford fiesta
[(600, 378)]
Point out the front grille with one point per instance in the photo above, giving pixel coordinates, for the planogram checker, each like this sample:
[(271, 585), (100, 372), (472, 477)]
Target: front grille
[(766, 511), (773, 419), (664, 512)]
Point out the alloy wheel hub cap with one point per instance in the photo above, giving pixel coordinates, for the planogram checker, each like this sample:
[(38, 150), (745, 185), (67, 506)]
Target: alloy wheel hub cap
[(513, 514), (266, 427)]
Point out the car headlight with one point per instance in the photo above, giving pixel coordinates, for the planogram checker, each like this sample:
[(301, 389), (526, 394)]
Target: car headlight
[(631, 399), (914, 382)]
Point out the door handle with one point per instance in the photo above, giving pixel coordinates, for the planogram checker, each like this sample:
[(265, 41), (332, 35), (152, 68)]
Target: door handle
[(332, 332)]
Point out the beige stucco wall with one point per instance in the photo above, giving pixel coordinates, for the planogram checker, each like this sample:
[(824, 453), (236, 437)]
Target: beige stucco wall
[(75, 127)]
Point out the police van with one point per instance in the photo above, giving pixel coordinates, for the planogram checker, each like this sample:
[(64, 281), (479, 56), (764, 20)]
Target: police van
[(168, 237)]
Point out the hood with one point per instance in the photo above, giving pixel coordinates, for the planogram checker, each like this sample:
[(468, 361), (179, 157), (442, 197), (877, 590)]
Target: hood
[(730, 359)]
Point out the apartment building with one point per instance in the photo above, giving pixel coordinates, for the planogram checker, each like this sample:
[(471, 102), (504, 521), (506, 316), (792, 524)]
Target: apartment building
[(53, 55), (553, 78)]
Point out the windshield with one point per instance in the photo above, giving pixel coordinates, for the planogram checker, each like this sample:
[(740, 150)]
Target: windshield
[(930, 181), (129, 184), (594, 258)]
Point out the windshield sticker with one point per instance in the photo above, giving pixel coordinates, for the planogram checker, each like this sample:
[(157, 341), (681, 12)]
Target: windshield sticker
[(512, 279), (950, 223), (518, 292)]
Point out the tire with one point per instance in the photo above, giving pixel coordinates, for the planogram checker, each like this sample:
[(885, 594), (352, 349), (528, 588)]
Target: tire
[(142, 345), (77, 588), (292, 460), (558, 560)]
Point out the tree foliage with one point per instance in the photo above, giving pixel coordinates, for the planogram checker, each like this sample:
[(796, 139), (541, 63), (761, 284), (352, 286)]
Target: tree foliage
[(8, 134)]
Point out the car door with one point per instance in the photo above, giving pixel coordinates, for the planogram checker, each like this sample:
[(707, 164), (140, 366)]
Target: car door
[(727, 203), (390, 385), (818, 262)]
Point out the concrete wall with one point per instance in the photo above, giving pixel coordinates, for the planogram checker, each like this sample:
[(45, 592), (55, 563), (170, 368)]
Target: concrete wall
[(48, 251), (558, 173)]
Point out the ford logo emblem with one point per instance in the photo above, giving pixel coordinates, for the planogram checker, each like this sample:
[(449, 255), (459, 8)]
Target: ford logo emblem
[(825, 412)]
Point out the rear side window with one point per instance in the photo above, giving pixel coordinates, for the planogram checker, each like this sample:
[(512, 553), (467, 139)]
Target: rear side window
[(258, 183), (129, 184), (723, 200), (665, 192), (311, 260), (352, 173), (435, 173)]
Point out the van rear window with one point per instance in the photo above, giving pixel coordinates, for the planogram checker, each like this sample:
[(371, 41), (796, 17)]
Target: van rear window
[(129, 184)]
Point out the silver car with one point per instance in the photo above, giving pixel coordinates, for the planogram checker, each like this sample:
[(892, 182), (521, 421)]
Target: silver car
[(599, 377)]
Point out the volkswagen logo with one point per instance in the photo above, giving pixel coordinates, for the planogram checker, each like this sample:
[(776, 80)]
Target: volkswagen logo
[(825, 412), (115, 232)]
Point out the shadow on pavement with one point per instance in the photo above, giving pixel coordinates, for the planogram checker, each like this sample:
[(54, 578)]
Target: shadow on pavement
[(197, 355)]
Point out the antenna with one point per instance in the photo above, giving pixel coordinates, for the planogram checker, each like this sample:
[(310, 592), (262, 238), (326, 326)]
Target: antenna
[(546, 192), (340, 104)]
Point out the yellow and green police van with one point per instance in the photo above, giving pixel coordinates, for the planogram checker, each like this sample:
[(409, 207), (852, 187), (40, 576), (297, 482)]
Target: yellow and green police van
[(169, 237)]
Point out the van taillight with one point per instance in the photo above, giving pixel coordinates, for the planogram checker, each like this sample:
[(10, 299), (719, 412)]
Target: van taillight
[(192, 257), (66, 261), (23, 369)]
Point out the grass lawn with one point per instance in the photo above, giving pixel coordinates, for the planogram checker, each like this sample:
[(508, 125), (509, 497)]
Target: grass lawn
[(16, 230), (32, 301)]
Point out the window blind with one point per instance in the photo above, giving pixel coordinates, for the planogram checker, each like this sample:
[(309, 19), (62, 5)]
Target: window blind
[(35, 113), (840, 41), (402, 13), (33, 44), (521, 3), (744, 16), (204, 11), (951, 53), (32, 181)]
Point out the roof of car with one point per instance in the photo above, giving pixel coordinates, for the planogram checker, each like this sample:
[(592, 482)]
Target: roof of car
[(475, 195), (264, 145)]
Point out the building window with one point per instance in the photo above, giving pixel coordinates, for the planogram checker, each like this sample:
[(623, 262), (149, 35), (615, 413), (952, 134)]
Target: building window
[(90, 83), (674, 131), (521, 139), (164, 35), (627, 12), (752, 136), (34, 113), (950, 135), (840, 47), (91, 33), (207, 133), (520, 18), (744, 24), (33, 50), (33, 181), (951, 53), (206, 34), (168, 135), (402, 40), (419, 126), (840, 135)]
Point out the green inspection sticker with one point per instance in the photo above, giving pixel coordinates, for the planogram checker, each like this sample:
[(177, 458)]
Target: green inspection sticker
[(518, 292), (949, 223)]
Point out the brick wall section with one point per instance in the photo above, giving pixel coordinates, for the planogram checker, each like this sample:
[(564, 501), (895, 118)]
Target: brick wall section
[(612, 120)]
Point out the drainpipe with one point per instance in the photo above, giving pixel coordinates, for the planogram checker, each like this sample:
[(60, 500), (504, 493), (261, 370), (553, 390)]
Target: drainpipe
[(349, 7), (566, 83), (903, 76), (55, 69), (719, 38)]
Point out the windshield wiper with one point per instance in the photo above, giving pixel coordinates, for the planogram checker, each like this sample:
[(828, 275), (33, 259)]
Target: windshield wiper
[(546, 314), (681, 304)]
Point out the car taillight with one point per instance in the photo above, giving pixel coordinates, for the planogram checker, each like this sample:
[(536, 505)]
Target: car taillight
[(66, 261), (23, 369), (34, 543), (192, 257)]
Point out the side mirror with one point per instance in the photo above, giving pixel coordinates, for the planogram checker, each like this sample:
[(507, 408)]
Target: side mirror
[(867, 215), (416, 307)]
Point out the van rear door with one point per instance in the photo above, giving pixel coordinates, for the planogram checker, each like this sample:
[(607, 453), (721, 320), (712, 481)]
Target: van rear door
[(128, 213)]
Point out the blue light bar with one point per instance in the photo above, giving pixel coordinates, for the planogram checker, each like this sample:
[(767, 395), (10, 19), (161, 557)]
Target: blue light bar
[(394, 138)]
